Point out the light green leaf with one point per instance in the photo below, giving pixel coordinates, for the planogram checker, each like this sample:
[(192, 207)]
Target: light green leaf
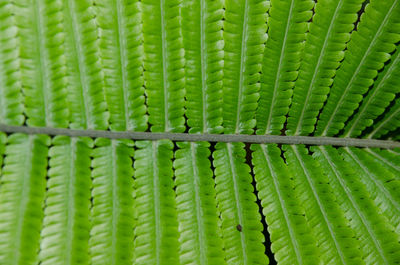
[(66, 226), (22, 190)]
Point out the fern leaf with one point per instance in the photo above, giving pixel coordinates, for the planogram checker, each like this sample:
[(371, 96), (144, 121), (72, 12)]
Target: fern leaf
[(66, 226), (324, 49), (11, 108), (380, 183), (244, 37), (22, 193), (378, 98), (200, 241), (366, 53), (112, 216), (391, 160), (85, 82), (163, 64), (156, 232), (292, 240), (389, 122), (202, 38), (3, 140), (378, 241), (237, 206), (283, 50), (331, 229), (121, 56), (43, 66)]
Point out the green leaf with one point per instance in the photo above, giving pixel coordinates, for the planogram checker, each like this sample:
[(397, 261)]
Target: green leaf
[(389, 122), (11, 107), (378, 98), (283, 51), (66, 226), (391, 160), (43, 66), (22, 190), (378, 241), (324, 49), (292, 240), (200, 241), (380, 183), (3, 140), (237, 206), (202, 39), (112, 215), (163, 64), (369, 48), (122, 59), (335, 239), (85, 83), (156, 233), (244, 37)]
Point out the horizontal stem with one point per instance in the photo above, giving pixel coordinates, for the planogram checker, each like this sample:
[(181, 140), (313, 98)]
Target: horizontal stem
[(261, 139)]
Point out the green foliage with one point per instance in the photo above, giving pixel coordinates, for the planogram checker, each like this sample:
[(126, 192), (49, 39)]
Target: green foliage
[(290, 67), (85, 84), (292, 240), (244, 37), (324, 49), (163, 63), (380, 183), (200, 241), (121, 56), (156, 232), (202, 38), (369, 48), (237, 207), (11, 107), (378, 98), (283, 52), (378, 241), (112, 213), (66, 226), (22, 190), (331, 229), (43, 66)]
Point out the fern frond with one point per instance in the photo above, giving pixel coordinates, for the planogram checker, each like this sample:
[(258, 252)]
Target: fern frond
[(112, 216), (335, 239), (286, 34), (43, 65), (389, 122), (380, 183), (22, 191), (244, 41), (237, 206), (378, 98), (324, 49), (292, 240), (3, 141), (391, 160), (200, 241), (369, 48), (156, 232), (163, 64), (11, 107), (121, 57), (202, 26), (66, 226), (85, 84), (378, 241)]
